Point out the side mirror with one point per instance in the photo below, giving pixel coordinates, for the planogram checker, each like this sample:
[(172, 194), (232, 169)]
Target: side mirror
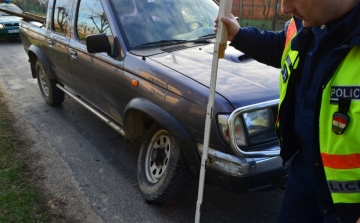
[(98, 43)]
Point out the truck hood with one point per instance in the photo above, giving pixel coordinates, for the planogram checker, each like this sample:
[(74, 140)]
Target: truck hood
[(240, 79)]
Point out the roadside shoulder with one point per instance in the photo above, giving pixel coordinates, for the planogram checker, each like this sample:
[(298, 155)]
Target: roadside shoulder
[(64, 198)]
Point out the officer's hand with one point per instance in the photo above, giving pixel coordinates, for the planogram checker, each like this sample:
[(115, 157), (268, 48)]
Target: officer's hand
[(358, 221), (232, 26)]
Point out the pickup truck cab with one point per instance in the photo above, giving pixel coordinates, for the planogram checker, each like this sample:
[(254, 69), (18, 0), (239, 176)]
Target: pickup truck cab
[(144, 67)]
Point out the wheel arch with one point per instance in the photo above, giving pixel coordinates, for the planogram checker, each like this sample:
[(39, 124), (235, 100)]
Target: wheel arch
[(139, 108), (35, 54)]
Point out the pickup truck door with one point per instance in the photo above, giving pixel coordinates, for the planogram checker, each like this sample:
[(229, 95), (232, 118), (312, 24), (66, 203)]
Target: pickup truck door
[(58, 42), (97, 77)]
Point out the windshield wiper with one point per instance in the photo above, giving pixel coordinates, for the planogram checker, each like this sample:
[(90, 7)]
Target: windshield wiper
[(200, 40), (160, 42), (208, 36)]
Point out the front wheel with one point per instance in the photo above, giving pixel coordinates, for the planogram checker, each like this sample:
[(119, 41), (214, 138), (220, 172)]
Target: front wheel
[(162, 170), (51, 94)]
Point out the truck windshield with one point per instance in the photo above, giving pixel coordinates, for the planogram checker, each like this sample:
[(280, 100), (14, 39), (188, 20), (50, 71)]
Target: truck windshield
[(151, 21)]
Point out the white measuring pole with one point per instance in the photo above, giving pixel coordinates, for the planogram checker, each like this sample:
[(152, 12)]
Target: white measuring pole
[(219, 51)]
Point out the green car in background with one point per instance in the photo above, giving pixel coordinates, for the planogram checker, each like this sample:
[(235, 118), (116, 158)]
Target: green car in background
[(9, 24)]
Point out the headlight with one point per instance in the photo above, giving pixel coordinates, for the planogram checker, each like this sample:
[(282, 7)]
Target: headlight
[(260, 125), (1, 26), (257, 125), (239, 130)]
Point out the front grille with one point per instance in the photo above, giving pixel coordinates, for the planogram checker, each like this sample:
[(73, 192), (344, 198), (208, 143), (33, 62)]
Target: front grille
[(9, 25)]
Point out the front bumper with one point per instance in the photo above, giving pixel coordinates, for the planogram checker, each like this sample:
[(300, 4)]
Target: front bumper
[(244, 174)]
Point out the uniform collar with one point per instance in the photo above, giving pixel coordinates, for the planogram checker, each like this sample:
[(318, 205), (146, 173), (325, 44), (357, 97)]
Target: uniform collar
[(347, 26)]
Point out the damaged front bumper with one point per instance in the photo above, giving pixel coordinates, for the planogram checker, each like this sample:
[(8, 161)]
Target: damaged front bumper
[(244, 174)]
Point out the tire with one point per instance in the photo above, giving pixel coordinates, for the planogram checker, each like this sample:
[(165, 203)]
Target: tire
[(162, 170), (52, 95)]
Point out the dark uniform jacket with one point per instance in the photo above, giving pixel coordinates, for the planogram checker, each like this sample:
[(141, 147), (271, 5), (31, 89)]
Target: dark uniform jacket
[(321, 49)]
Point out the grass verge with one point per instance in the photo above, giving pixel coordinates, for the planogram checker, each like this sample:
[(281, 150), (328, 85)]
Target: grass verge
[(20, 201)]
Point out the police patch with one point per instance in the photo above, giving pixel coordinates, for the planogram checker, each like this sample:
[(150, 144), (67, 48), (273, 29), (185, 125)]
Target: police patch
[(340, 121), (344, 187), (347, 92), (288, 61), (284, 74)]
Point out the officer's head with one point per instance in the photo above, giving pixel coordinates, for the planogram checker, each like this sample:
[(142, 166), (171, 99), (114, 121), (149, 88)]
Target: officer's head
[(317, 12)]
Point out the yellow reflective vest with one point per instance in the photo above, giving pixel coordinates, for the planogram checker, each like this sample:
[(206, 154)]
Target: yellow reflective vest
[(339, 122)]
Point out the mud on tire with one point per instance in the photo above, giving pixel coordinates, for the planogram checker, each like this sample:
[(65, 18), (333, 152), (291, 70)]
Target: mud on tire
[(162, 171)]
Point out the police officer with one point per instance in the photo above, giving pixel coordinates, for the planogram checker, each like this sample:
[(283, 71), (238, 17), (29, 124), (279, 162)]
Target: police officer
[(318, 53)]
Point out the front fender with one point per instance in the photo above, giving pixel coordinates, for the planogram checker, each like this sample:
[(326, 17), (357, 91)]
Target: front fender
[(159, 115)]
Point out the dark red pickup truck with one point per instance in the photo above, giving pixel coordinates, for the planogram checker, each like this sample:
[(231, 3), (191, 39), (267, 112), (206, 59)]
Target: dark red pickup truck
[(144, 67)]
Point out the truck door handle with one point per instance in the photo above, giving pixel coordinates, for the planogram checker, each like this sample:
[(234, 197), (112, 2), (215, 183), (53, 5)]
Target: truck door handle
[(51, 43), (73, 54)]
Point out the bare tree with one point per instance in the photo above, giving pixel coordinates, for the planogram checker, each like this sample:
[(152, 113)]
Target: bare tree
[(104, 24), (62, 17), (95, 13), (62, 14), (267, 7)]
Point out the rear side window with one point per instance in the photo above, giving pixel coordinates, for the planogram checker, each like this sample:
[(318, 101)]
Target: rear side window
[(61, 16)]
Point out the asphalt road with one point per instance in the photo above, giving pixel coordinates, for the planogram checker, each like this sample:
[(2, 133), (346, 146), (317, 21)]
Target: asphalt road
[(91, 169)]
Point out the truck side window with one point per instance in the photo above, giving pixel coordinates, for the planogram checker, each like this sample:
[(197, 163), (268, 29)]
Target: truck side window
[(61, 15), (91, 19)]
